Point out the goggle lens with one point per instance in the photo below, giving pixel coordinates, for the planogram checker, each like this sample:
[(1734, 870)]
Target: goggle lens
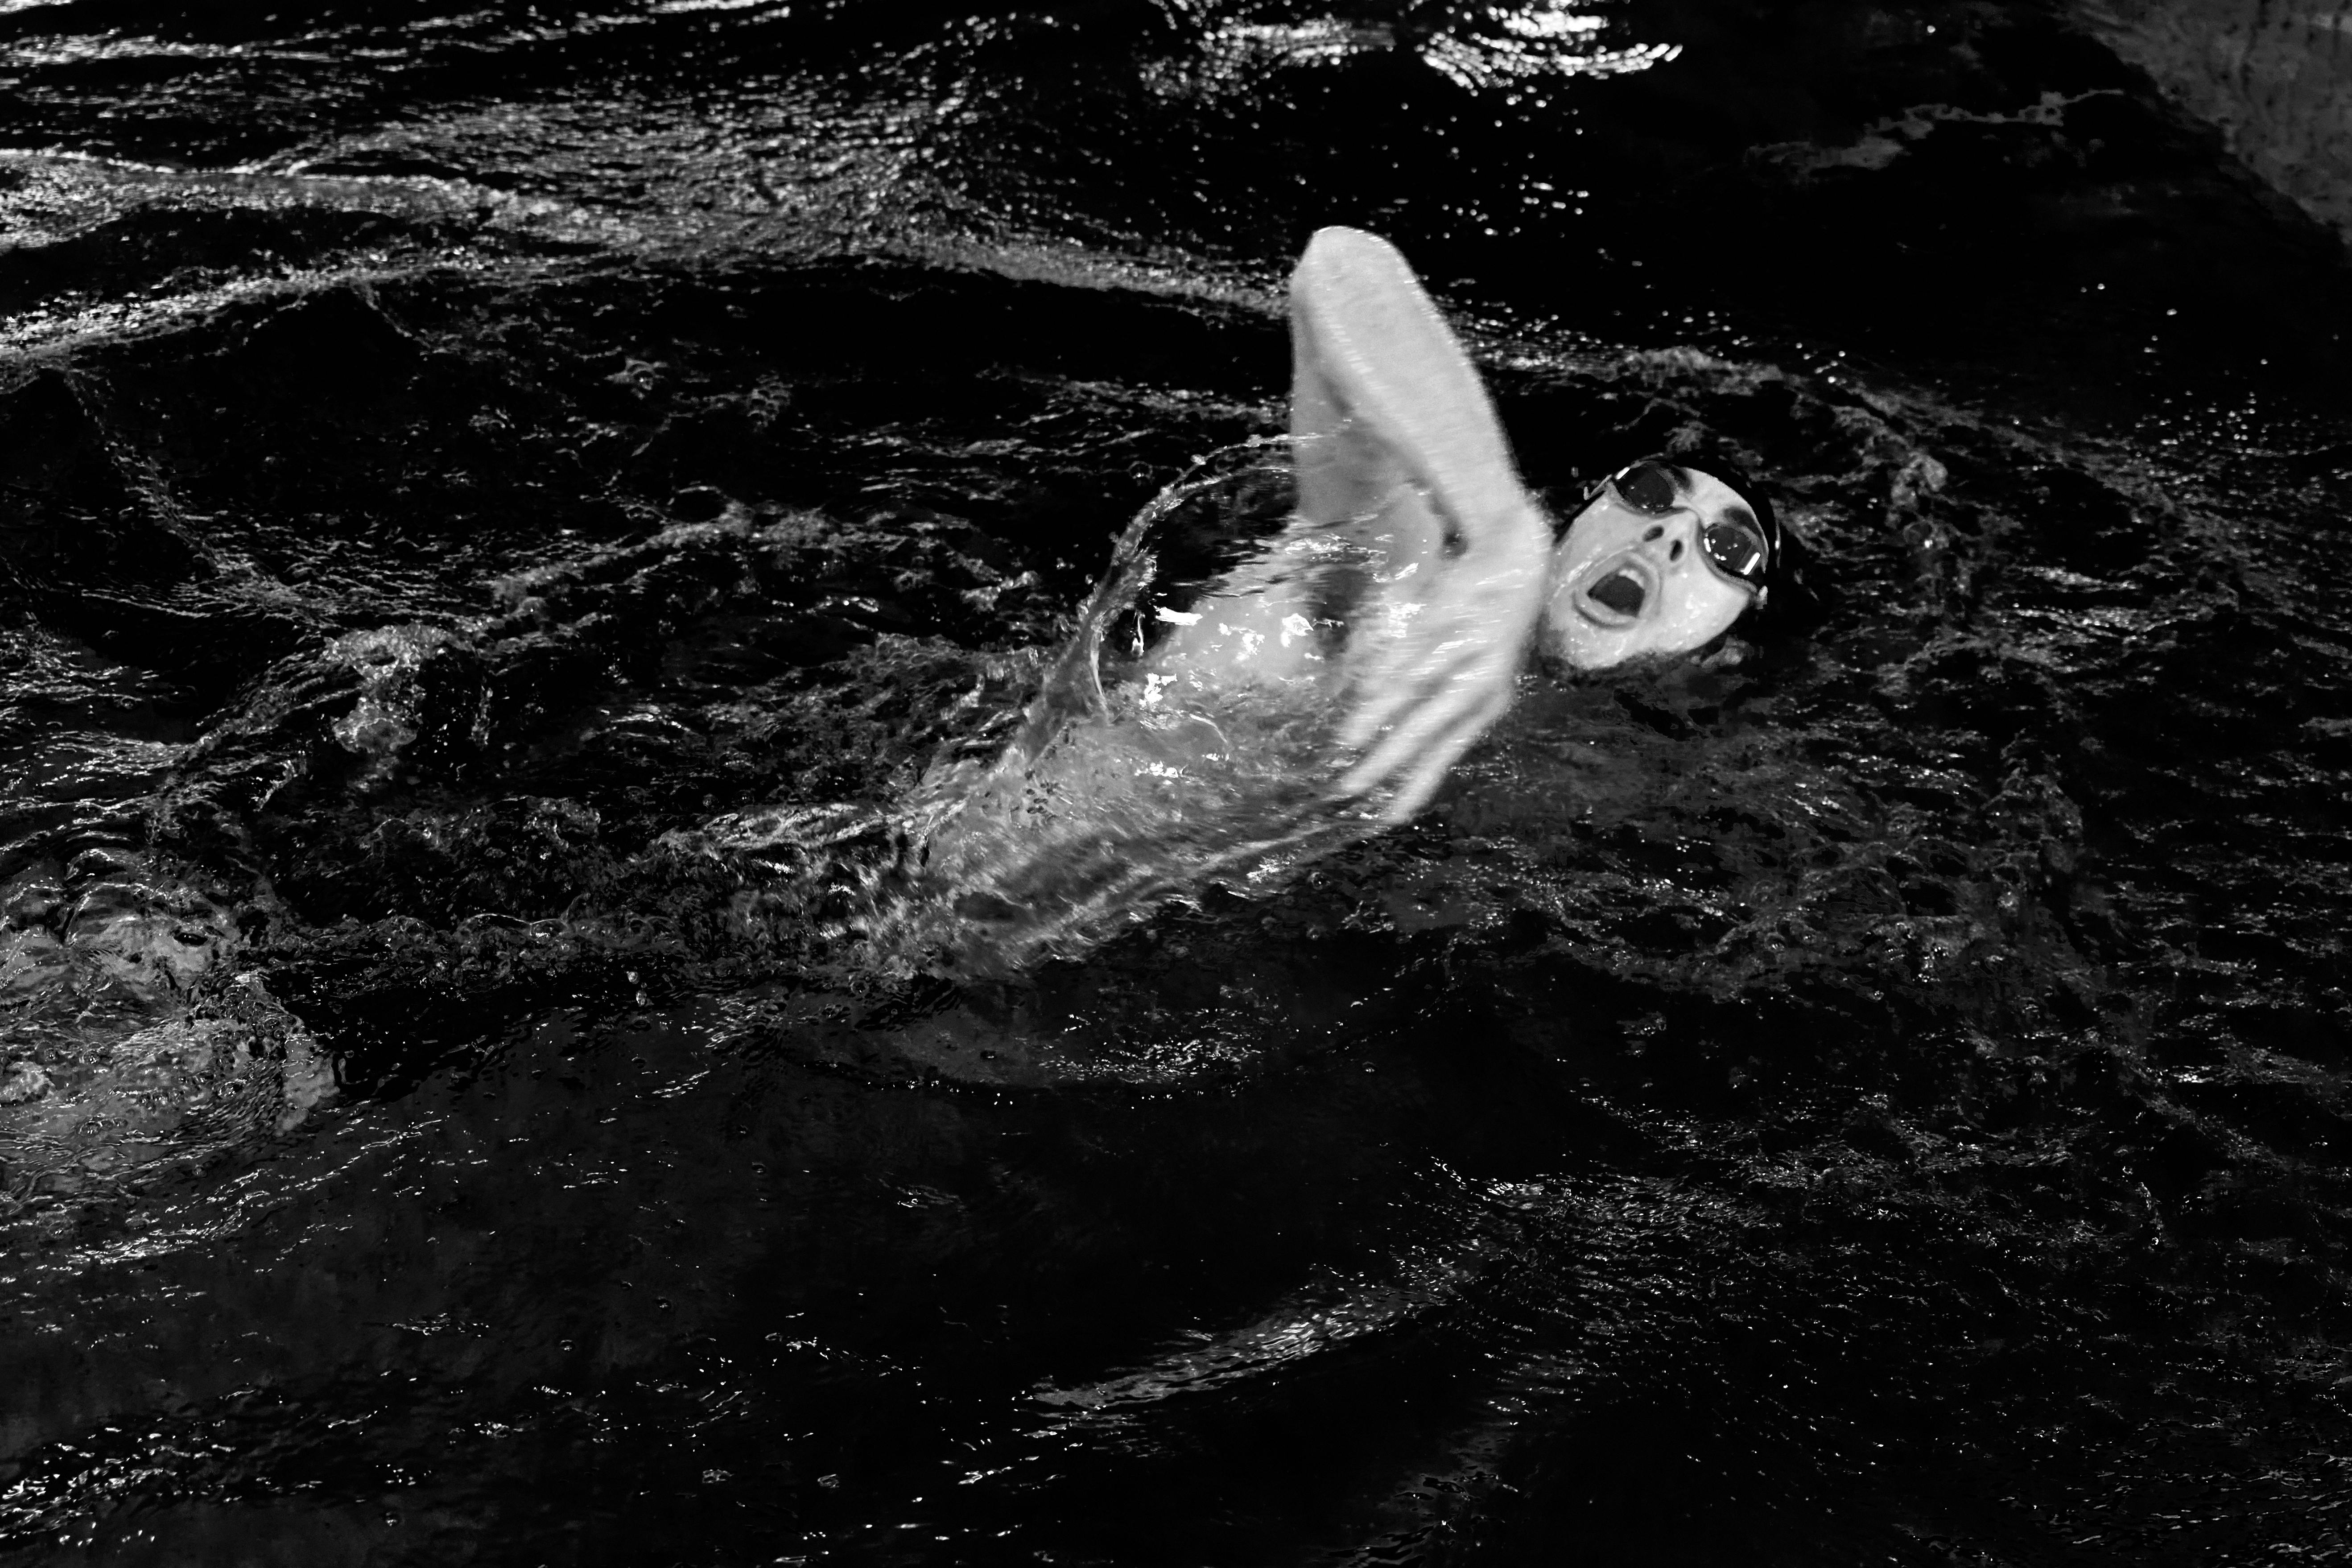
[(1646, 488), (1736, 548)]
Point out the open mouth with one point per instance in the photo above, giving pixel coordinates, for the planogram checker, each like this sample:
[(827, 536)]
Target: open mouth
[(1616, 591)]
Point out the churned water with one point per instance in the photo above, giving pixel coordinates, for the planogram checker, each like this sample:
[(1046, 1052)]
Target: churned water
[(510, 513)]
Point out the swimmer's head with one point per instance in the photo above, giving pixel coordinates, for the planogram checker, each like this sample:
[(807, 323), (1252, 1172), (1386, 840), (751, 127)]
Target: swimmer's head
[(1662, 558)]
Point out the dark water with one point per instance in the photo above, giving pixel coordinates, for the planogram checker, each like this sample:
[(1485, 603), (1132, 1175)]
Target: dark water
[(498, 503)]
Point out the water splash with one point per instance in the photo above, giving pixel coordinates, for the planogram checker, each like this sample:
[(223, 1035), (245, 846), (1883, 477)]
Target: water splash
[(385, 719)]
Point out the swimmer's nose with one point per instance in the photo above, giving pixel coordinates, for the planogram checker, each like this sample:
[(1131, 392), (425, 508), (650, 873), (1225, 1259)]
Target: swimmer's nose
[(1671, 540)]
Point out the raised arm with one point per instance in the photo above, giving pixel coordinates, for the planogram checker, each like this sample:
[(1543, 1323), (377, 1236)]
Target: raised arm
[(1396, 437)]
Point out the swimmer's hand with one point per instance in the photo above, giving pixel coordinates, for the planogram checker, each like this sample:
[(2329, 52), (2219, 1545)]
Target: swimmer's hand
[(1396, 438), (1436, 681)]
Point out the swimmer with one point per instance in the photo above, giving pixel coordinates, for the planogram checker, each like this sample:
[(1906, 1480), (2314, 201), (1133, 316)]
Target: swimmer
[(1326, 685), (1404, 474)]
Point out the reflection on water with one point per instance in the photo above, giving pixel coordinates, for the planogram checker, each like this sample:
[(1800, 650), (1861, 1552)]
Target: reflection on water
[(1481, 50), (512, 513)]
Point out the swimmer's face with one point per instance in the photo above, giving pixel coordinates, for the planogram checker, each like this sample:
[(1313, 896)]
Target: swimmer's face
[(1652, 566)]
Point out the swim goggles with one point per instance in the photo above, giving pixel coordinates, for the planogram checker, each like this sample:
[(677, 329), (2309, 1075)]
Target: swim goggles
[(1736, 541)]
